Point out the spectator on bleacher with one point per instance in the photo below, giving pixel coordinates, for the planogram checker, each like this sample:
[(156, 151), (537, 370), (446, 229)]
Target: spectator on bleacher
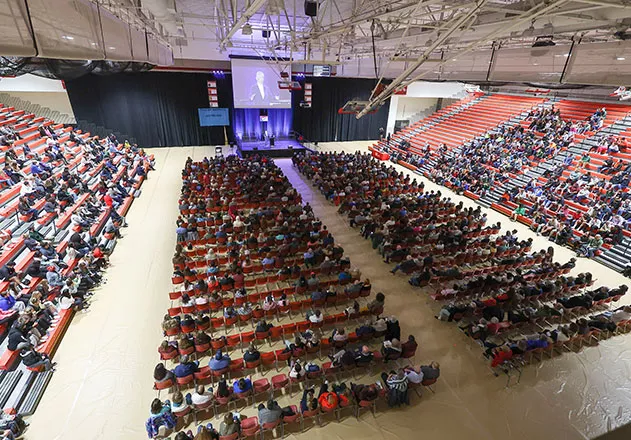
[(180, 404), (219, 362), (593, 244), (17, 339), (9, 302), (46, 131), (53, 277), (12, 426), (269, 303), (25, 209), (35, 360)]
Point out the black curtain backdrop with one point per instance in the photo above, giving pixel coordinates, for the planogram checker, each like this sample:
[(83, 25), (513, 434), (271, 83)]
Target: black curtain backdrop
[(322, 123), (160, 108)]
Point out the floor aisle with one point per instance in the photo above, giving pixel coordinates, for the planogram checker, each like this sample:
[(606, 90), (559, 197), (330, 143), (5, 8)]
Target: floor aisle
[(103, 386)]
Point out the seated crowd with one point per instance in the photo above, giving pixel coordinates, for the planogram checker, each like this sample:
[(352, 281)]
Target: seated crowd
[(587, 205), (503, 289), (250, 254), (80, 185)]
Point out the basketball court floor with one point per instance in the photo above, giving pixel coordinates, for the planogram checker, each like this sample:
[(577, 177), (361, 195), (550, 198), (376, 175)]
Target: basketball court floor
[(103, 385)]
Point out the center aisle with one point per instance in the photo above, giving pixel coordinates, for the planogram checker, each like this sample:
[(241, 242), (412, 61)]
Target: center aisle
[(469, 401)]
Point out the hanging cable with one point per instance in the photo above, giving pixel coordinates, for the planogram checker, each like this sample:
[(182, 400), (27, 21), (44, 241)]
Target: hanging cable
[(374, 51)]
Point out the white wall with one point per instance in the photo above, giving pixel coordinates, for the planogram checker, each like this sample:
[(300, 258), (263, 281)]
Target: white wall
[(45, 92), (403, 107), (421, 96), (31, 83)]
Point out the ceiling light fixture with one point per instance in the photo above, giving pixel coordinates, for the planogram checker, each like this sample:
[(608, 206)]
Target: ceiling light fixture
[(620, 58), (67, 37), (246, 29)]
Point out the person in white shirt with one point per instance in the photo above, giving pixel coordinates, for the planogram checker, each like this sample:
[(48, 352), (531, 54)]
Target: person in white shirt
[(201, 396), (622, 314), (315, 317), (296, 371), (414, 375)]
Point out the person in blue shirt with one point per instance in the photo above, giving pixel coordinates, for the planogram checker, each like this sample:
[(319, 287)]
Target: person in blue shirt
[(317, 295), (344, 276), (268, 260), (242, 385), (542, 342), (7, 301), (181, 233), (36, 169), (219, 361), (185, 367), (309, 258)]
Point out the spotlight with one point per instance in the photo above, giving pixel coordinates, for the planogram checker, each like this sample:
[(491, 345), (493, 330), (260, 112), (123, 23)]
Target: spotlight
[(246, 29)]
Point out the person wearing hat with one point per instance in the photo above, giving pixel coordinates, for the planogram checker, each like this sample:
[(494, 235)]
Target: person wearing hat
[(219, 362)]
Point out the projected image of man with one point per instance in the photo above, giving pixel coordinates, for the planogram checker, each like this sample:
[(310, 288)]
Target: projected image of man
[(259, 92)]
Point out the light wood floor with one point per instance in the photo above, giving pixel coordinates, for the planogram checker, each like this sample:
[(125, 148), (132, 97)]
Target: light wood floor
[(103, 385)]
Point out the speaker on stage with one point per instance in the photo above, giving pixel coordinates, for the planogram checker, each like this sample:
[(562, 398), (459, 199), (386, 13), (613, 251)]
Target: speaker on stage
[(311, 8), (272, 140)]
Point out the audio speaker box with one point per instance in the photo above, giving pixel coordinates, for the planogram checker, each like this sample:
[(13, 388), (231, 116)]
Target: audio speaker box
[(311, 8)]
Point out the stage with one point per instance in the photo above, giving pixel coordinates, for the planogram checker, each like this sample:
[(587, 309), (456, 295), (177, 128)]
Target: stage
[(281, 148)]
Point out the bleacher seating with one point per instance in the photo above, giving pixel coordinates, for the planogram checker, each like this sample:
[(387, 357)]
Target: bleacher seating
[(500, 183), (56, 226)]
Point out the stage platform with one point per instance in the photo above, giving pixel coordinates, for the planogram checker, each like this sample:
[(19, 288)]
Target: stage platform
[(281, 148)]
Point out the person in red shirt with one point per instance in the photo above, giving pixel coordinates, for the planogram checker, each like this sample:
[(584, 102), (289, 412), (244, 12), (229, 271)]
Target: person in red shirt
[(108, 200), (501, 355), (330, 400)]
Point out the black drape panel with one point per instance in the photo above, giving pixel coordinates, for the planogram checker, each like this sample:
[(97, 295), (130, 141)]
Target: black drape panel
[(160, 108), (157, 108), (322, 123)]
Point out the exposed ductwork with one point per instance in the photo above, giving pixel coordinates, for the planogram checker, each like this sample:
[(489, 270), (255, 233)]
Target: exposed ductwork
[(164, 12)]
